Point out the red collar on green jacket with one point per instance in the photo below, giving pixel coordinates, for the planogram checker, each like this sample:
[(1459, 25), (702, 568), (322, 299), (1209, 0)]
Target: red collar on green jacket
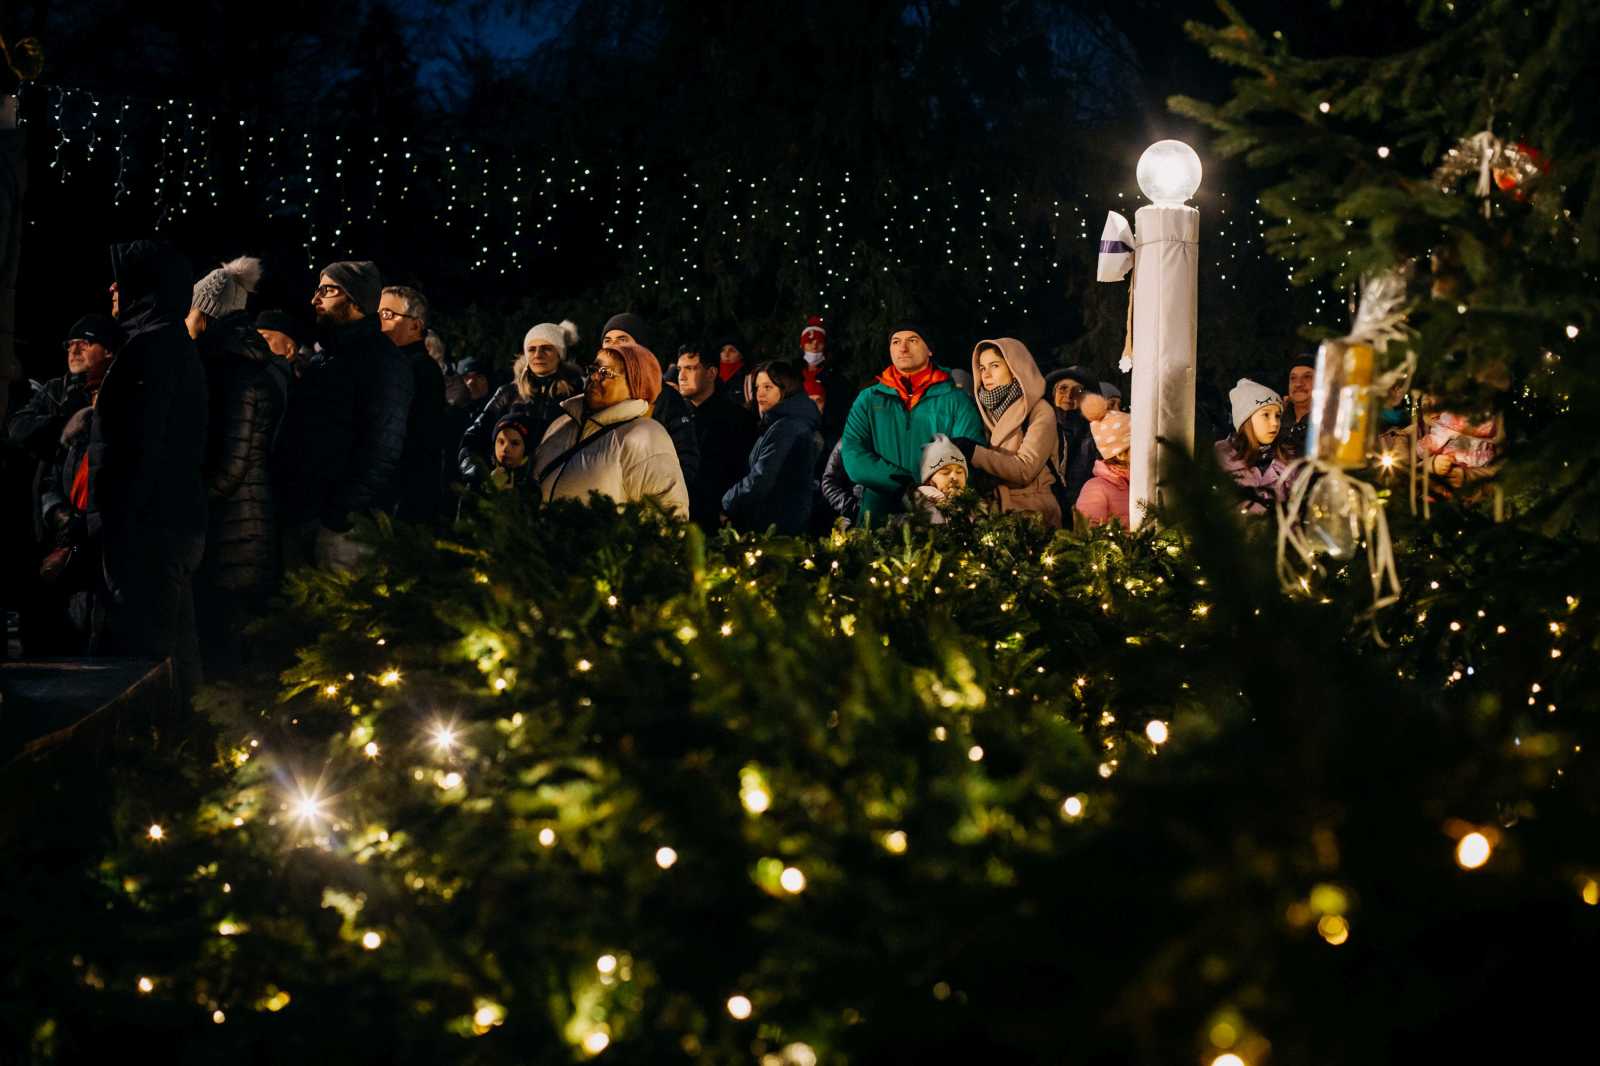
[(912, 388)]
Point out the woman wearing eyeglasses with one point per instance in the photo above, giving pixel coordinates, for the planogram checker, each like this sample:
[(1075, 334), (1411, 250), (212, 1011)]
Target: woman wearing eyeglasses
[(605, 441)]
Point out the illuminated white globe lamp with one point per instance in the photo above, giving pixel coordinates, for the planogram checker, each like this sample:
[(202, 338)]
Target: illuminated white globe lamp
[(1169, 173)]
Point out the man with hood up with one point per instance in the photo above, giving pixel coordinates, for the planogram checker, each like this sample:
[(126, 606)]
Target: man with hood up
[(147, 448)]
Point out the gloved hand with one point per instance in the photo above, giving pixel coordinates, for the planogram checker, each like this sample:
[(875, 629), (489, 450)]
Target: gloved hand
[(967, 446)]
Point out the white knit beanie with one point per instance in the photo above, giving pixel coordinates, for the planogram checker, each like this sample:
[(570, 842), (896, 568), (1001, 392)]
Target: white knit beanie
[(562, 336), (940, 451), (1248, 397), (225, 289)]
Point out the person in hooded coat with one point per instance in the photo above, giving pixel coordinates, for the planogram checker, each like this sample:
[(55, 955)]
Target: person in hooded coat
[(778, 490), (1024, 442), (146, 493), (248, 393)]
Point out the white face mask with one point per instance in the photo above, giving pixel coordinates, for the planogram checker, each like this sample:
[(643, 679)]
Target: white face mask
[(813, 358)]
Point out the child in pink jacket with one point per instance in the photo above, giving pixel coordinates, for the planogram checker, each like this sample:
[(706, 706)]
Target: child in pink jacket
[(1104, 497)]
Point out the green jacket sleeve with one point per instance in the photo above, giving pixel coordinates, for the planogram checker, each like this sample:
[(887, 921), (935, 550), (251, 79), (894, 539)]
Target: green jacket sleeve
[(861, 461), (966, 421)]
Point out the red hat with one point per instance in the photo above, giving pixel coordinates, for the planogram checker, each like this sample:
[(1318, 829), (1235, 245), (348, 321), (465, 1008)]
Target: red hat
[(814, 325)]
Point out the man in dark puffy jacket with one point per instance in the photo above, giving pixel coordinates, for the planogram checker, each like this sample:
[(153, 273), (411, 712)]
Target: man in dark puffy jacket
[(364, 474), (248, 388), (670, 409), (38, 428), (403, 318), (146, 497)]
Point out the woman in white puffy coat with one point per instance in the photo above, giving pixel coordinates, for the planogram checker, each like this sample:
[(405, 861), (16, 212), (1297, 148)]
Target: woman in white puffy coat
[(605, 440)]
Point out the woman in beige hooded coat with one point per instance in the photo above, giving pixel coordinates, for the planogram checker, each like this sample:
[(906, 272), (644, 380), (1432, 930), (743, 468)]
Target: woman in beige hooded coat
[(1023, 441)]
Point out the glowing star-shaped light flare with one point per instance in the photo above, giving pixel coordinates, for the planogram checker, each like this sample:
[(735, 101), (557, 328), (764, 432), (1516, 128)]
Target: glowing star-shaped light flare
[(307, 807), (443, 736), (155, 832)]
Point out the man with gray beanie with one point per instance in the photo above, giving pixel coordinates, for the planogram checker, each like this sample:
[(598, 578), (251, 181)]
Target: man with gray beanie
[(361, 391)]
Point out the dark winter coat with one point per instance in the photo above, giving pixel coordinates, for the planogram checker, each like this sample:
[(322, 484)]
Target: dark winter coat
[(312, 454), (538, 399), (725, 433), (842, 494), (384, 388), (249, 392), (148, 442), (60, 529), (418, 492), (1078, 451), (677, 415), (36, 426), (778, 489)]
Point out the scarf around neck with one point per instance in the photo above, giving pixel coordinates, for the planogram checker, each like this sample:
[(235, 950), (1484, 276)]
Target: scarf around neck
[(912, 387), (995, 401)]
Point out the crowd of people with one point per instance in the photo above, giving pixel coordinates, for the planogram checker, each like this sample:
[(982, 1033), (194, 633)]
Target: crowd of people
[(194, 450)]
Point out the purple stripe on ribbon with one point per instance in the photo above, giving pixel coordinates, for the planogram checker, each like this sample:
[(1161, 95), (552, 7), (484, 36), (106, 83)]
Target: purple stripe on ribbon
[(1113, 248)]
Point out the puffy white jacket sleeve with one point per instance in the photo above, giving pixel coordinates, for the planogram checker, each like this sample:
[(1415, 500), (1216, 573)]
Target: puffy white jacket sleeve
[(650, 467)]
